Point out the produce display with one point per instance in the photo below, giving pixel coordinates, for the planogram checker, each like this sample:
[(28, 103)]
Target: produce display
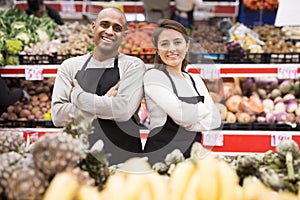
[(39, 106), (54, 167), (18, 29), (261, 4)]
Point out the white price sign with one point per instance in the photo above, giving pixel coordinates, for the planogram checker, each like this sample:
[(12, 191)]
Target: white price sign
[(213, 138), (210, 73), (34, 73), (276, 138), (287, 72)]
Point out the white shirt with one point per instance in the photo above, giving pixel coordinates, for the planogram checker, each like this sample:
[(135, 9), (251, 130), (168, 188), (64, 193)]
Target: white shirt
[(161, 102), (118, 108)]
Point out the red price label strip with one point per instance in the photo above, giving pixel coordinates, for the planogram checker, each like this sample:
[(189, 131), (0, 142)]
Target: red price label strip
[(210, 73), (287, 72), (277, 138), (213, 138), (34, 73)]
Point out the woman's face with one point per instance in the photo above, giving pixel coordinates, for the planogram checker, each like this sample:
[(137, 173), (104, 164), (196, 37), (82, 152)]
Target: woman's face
[(172, 47)]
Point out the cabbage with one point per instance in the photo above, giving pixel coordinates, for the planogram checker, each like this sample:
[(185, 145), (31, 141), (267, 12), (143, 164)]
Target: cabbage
[(23, 36), (43, 36)]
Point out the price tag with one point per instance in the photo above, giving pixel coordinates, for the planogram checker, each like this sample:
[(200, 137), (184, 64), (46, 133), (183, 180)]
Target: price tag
[(276, 138), (213, 138), (210, 73), (34, 73), (287, 72), (68, 7)]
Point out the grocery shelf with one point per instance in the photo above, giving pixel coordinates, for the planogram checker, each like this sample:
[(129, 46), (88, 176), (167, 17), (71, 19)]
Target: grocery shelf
[(212, 70), (78, 9), (223, 141)]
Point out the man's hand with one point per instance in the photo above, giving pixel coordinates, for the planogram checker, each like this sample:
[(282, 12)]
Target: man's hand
[(113, 90), (75, 85)]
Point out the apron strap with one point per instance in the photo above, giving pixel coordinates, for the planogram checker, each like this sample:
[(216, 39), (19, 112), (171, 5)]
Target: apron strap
[(173, 85), (89, 58), (86, 62), (193, 82)]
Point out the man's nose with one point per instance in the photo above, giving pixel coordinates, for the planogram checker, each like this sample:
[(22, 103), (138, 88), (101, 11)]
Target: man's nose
[(110, 30)]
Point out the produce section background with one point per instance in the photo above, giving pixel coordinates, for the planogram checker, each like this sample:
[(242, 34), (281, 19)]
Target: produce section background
[(249, 63)]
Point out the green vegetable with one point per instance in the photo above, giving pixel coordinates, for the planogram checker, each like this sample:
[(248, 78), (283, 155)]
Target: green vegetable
[(24, 37), (12, 60), (2, 61), (288, 150), (13, 46), (18, 26), (43, 36)]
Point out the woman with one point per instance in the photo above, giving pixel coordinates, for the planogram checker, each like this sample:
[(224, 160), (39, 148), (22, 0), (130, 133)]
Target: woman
[(179, 104)]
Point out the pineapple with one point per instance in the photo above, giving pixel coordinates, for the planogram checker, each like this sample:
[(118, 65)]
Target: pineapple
[(10, 141), (26, 183), (83, 177), (97, 165), (54, 153), (79, 128), (7, 166), (94, 161)]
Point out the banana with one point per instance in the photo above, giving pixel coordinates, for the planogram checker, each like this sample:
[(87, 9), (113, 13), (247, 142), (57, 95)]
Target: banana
[(114, 183), (144, 194), (88, 193), (158, 186), (180, 178), (135, 183), (192, 188), (65, 181), (228, 182), (208, 188)]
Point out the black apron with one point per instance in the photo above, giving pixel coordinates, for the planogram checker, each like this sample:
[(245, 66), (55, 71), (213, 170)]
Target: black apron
[(121, 139), (163, 140)]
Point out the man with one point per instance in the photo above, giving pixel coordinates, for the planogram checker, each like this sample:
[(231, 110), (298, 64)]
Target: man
[(155, 10), (105, 84), (39, 9)]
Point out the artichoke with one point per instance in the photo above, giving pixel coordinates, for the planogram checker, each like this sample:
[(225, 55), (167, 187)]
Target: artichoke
[(288, 150)]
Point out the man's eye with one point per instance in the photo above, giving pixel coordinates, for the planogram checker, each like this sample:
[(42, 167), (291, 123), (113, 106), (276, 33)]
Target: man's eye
[(118, 28), (104, 25)]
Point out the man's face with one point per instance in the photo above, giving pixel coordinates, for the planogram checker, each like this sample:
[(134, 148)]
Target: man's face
[(108, 30)]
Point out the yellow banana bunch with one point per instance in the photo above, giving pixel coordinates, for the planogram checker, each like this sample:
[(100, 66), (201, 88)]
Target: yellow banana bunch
[(180, 179), (114, 187), (158, 186), (204, 179), (128, 186), (208, 187), (63, 186), (228, 182), (88, 193)]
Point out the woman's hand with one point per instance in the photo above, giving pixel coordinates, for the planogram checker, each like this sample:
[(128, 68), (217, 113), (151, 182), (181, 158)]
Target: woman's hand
[(113, 90)]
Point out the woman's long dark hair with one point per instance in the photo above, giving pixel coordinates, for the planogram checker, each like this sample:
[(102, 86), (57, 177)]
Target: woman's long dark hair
[(168, 24)]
